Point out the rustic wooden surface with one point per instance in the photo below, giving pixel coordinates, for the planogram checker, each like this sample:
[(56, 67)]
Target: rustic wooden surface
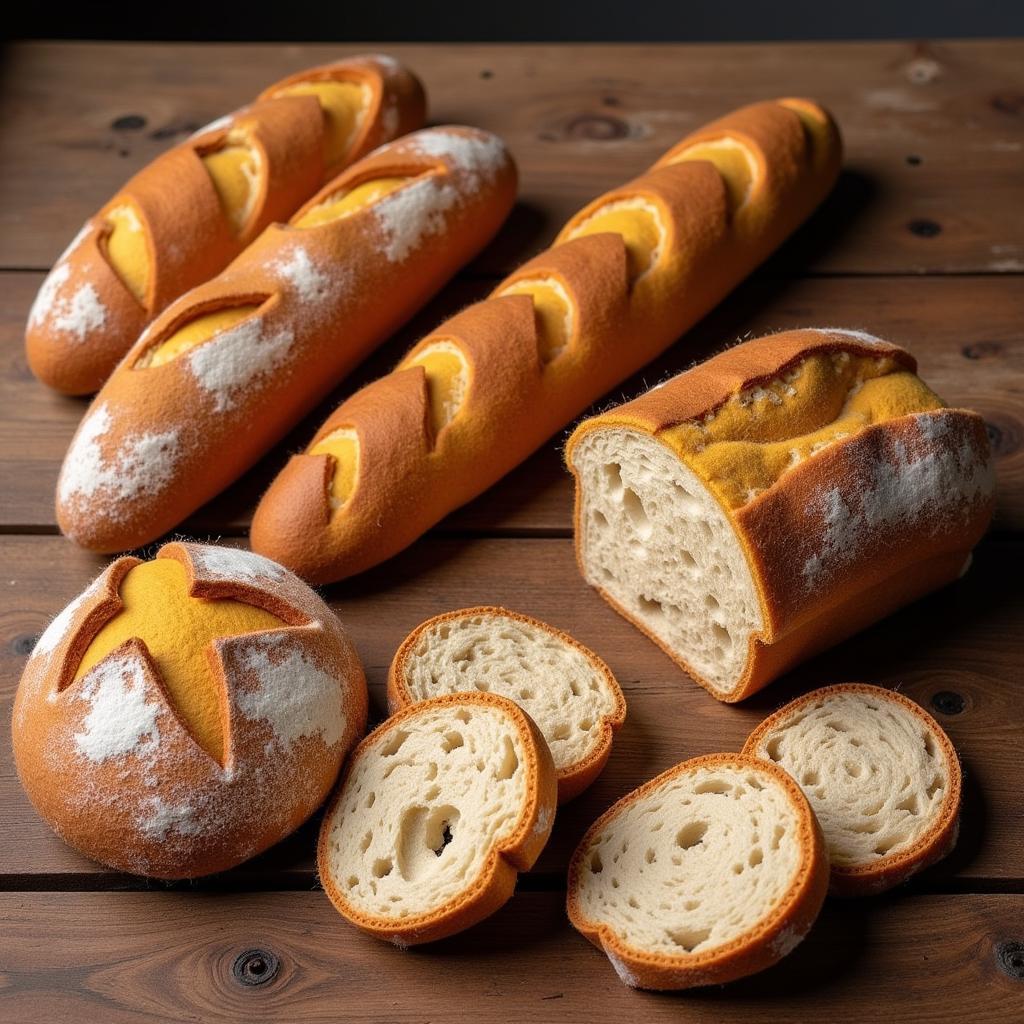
[(922, 242)]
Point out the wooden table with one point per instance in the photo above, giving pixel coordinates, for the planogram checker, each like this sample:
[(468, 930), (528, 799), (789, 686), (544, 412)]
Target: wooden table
[(922, 242)]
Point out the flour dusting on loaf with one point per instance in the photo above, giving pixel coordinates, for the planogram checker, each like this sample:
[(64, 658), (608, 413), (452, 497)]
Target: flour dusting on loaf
[(297, 268), (237, 564), (413, 213), (480, 157)]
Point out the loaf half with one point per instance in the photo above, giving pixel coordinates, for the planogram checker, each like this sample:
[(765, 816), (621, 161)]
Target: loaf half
[(225, 371), (776, 499), (181, 219), (711, 871), (881, 775), (439, 809), (568, 691), (625, 277), (181, 715)]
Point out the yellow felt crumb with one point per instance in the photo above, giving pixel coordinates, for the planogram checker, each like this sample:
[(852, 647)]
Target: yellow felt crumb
[(344, 106), (747, 444), (178, 629), (234, 169), (447, 380), (126, 249), (733, 161), (343, 446), (553, 311), (639, 223), (344, 204), (194, 333)]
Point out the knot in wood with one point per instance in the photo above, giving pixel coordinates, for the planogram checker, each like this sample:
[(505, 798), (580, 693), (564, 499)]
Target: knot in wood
[(924, 228), (255, 967), (1010, 958), (1003, 435), (946, 702), (982, 350), (595, 128), (128, 123), (24, 644)]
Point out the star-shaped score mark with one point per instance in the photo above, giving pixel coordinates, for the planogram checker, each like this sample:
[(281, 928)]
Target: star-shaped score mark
[(178, 630)]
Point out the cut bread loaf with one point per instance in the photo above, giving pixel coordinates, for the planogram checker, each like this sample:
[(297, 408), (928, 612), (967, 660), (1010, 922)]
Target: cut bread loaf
[(439, 809), (711, 871), (881, 775), (568, 691), (776, 499), (185, 216), (183, 714)]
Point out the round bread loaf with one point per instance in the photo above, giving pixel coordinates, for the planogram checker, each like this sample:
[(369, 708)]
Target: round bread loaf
[(881, 775), (183, 714)]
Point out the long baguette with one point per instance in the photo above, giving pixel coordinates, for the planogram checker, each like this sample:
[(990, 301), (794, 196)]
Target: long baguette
[(187, 214), (226, 370), (625, 277)]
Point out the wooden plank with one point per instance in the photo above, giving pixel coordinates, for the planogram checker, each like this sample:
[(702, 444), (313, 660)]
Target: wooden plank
[(964, 640), (120, 957), (934, 133), (966, 332)]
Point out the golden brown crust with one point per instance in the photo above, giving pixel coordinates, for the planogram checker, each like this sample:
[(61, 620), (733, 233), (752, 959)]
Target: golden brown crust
[(408, 479), (190, 239), (154, 801), (573, 779), (814, 593), (496, 881), (894, 868), (187, 427), (753, 951)]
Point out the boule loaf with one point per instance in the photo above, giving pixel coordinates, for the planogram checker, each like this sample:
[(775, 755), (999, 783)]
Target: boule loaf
[(711, 871), (183, 714), (776, 499), (882, 776), (438, 810), (225, 371), (568, 691), (625, 277), (181, 219)]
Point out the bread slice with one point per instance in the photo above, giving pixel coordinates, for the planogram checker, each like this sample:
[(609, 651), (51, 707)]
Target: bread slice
[(881, 775), (439, 808), (711, 871), (776, 499), (567, 690)]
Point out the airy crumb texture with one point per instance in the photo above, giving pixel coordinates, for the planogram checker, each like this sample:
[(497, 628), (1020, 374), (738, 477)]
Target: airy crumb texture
[(567, 690), (709, 872), (434, 806), (879, 772)]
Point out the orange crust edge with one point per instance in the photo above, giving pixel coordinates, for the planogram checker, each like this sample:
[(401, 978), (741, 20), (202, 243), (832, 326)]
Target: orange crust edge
[(892, 869)]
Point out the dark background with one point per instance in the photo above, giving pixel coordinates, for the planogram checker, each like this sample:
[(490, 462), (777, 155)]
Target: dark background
[(515, 20)]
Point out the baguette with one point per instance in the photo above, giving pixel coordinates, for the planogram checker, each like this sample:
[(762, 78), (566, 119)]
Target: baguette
[(775, 500), (182, 715), (438, 810), (625, 277), (185, 216), (225, 371), (711, 871), (568, 691), (882, 777)]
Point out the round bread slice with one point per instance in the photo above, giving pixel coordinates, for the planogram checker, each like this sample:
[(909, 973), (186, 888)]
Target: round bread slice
[(567, 689), (712, 871), (439, 809), (881, 775)]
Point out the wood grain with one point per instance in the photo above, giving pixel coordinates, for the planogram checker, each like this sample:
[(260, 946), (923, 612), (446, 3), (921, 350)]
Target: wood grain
[(132, 957), (968, 334), (963, 640), (934, 133)]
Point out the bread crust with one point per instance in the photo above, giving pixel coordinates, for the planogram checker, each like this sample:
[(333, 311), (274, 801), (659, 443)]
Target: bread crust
[(164, 806), (785, 526), (573, 779), (408, 479), (189, 236), (191, 425), (895, 868), (496, 881), (750, 952)]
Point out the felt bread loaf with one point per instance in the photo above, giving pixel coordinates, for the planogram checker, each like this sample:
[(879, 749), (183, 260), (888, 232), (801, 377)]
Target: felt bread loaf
[(181, 219), (881, 775), (775, 500), (226, 370), (625, 277), (183, 714), (438, 810), (568, 691), (712, 871)]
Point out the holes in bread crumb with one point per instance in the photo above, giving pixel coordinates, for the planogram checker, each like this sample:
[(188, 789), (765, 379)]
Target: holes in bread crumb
[(723, 638), (853, 769), (633, 903), (462, 715), (560, 731), (600, 519), (652, 609), (909, 804), (423, 836), (433, 793), (586, 725), (687, 559), (688, 939), (933, 787), (452, 741), (650, 856), (773, 748), (687, 503), (837, 726), (482, 685), (526, 693), (382, 867), (809, 778), (777, 833), (431, 772), (595, 863), (755, 857), (394, 744), (351, 882), (718, 786), (612, 473), (637, 514), (711, 603), (371, 799), (929, 745), (691, 835), (509, 761), (754, 782), (364, 843), (883, 846)]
